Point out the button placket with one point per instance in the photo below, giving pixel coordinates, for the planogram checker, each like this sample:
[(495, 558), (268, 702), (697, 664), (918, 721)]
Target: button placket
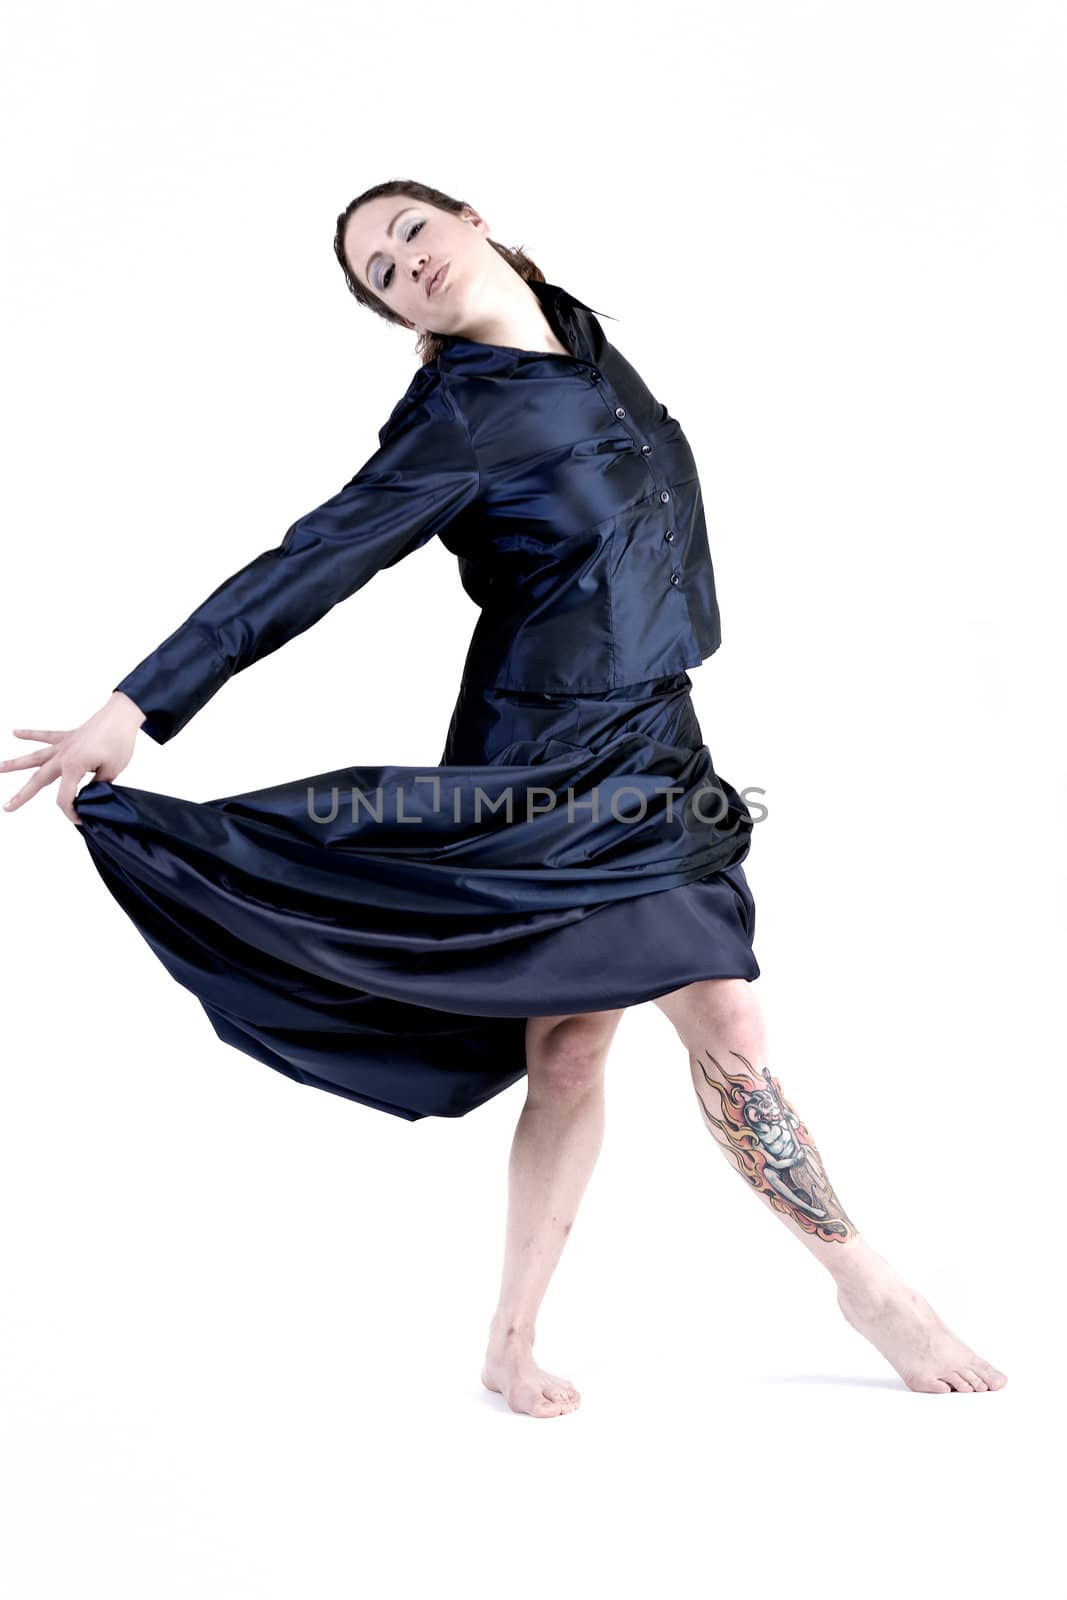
[(643, 448), (618, 410), (668, 538)]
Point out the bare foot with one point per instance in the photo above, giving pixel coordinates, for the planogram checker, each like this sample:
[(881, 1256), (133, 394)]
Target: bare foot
[(510, 1370), (912, 1337)]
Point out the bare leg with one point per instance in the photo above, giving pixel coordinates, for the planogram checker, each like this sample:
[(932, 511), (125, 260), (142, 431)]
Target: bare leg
[(720, 1023), (556, 1144)]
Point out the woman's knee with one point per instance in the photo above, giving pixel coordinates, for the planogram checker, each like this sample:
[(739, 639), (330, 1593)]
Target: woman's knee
[(723, 1007), (568, 1053)]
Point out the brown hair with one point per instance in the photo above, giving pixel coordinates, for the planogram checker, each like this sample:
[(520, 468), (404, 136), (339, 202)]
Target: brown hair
[(429, 345)]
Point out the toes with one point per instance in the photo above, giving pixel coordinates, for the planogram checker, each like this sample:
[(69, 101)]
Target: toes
[(959, 1382), (975, 1379), (993, 1377)]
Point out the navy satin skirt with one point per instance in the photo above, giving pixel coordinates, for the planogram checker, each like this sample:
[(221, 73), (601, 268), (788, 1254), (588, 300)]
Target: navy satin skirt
[(384, 932)]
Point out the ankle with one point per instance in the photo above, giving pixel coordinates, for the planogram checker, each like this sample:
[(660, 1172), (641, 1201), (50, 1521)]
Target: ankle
[(856, 1268), (853, 1263), (514, 1330)]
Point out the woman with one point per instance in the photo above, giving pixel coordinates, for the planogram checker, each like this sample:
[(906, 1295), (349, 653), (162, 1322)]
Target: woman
[(574, 852)]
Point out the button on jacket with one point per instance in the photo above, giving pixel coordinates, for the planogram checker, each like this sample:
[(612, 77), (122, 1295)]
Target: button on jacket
[(567, 492)]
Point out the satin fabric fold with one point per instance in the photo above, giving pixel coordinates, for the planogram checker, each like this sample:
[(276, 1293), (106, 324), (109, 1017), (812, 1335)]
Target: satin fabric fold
[(377, 932)]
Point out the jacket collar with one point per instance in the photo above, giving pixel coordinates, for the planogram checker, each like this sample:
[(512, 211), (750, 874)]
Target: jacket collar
[(554, 291), (563, 311)]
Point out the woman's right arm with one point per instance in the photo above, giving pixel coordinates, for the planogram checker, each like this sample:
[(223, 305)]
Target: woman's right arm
[(423, 475)]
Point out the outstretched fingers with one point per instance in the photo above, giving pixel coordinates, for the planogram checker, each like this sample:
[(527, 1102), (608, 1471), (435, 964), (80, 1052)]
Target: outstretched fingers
[(17, 763), (48, 773), (52, 735)]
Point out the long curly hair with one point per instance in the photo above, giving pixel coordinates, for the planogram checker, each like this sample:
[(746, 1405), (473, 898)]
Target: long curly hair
[(428, 345)]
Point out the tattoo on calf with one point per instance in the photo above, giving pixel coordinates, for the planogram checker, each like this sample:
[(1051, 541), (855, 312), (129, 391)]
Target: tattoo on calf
[(773, 1149)]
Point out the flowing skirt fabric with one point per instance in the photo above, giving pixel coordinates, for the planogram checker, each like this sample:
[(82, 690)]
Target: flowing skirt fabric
[(384, 932)]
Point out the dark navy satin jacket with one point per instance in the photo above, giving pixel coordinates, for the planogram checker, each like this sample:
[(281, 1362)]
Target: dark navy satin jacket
[(566, 490)]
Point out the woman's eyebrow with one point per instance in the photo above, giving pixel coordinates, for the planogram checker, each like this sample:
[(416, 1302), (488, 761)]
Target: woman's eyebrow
[(389, 234)]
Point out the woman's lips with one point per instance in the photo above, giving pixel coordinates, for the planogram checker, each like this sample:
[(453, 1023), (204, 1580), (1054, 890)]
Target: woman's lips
[(437, 280)]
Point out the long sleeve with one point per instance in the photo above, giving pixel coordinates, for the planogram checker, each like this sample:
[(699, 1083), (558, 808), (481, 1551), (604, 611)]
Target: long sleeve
[(422, 476)]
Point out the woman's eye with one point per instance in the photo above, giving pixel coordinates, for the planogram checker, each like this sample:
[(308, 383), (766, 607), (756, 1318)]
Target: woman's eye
[(388, 273)]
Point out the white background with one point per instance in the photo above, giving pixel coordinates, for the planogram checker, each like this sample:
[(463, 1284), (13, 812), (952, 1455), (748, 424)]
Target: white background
[(243, 1320)]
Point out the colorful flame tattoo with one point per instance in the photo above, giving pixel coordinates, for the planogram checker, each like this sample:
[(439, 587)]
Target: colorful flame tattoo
[(773, 1149)]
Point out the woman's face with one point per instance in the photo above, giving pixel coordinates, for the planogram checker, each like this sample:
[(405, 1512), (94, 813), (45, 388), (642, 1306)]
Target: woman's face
[(396, 247)]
